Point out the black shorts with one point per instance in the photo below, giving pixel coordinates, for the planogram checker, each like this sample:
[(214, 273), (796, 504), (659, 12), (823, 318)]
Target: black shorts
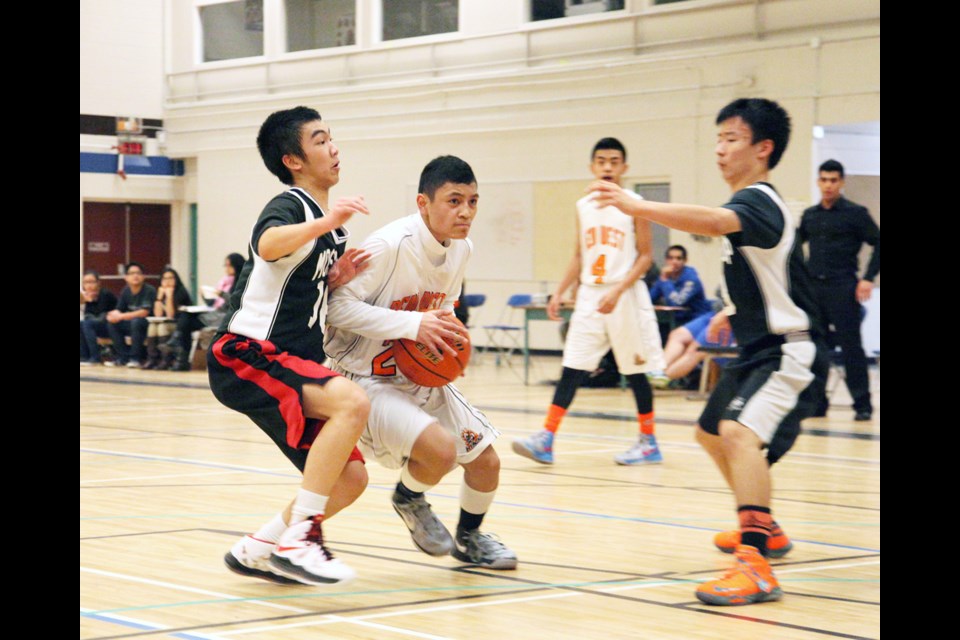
[(254, 378), (769, 391)]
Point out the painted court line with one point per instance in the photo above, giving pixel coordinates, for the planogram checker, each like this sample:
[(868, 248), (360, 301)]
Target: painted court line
[(171, 475), (142, 625), (181, 587), (447, 496), (507, 601)]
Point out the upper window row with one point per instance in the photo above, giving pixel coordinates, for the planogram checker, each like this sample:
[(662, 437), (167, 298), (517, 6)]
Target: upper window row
[(234, 29)]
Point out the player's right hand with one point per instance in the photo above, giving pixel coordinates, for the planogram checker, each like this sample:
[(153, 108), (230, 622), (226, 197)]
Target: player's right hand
[(344, 208), (437, 327), (553, 308)]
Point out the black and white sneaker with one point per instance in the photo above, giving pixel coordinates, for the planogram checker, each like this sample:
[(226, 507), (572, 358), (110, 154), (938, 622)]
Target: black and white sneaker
[(484, 550)]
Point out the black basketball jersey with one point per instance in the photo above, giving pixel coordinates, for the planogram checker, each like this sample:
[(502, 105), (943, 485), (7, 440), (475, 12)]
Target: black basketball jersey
[(764, 272), (285, 301)]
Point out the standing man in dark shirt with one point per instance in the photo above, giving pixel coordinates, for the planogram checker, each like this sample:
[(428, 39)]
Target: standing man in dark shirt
[(130, 317), (753, 415), (836, 228)]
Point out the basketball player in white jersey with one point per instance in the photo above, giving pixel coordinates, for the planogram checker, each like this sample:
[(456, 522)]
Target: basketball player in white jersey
[(613, 309), (416, 272)]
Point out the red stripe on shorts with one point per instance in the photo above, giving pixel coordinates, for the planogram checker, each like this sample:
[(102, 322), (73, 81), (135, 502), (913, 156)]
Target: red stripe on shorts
[(286, 396)]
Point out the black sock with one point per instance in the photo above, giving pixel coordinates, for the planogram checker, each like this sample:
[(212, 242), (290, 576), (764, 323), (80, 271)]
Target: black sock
[(407, 493), (755, 525), (468, 522)]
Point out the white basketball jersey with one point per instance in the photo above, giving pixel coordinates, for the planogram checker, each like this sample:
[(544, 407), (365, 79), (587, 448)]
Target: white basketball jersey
[(608, 243), (410, 272)]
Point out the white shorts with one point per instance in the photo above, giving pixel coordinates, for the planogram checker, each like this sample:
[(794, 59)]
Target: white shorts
[(631, 330), (400, 411)]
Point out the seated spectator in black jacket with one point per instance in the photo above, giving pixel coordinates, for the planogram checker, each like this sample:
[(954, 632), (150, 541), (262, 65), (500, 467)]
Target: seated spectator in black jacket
[(130, 317), (96, 303), (171, 297)]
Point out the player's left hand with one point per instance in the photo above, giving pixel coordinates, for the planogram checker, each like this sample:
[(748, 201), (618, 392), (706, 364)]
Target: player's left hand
[(352, 263), (864, 291), (608, 302)]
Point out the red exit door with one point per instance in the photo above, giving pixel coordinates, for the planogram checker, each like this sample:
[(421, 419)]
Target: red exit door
[(115, 233)]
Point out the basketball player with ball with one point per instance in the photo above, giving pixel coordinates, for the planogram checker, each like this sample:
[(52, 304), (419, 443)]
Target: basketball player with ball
[(403, 303)]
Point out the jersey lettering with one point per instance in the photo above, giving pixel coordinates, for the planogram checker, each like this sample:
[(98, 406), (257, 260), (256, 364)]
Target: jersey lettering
[(419, 302), (324, 261), (608, 236), (380, 366), (598, 270)]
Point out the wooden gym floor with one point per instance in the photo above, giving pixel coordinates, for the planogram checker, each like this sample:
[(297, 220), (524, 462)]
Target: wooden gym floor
[(169, 479)]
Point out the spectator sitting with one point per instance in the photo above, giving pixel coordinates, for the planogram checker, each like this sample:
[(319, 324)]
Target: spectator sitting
[(96, 303), (682, 351), (171, 296), (232, 266), (130, 317), (188, 322), (680, 286)]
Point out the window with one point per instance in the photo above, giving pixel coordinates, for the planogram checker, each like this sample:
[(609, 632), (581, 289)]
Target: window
[(412, 18), (320, 24), (232, 30), (549, 9)]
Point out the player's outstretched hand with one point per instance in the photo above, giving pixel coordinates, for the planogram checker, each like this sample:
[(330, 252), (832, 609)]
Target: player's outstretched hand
[(604, 193), (344, 208), (352, 263), (436, 328)]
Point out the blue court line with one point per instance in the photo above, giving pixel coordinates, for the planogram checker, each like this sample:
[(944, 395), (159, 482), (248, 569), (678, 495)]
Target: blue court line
[(142, 626), (586, 514), (538, 586)]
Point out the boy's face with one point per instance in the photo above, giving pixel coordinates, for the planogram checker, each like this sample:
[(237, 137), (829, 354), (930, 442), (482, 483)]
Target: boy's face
[(676, 261), (134, 276), (321, 157), (830, 184), (608, 164), (90, 283), (737, 156), (451, 211)]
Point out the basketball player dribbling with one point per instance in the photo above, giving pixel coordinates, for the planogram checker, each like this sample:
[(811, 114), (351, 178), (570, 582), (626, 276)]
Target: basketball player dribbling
[(416, 272)]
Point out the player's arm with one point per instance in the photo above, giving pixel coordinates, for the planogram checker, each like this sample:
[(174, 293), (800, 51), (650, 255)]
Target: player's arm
[(705, 221), (282, 240), (349, 309), (644, 243), (570, 277)]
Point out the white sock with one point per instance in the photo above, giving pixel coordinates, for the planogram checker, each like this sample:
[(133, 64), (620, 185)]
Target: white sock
[(407, 479), (271, 531), (307, 505), (475, 502)]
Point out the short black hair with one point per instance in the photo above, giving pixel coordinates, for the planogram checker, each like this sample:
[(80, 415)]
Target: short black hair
[(280, 135), (133, 264), (831, 166), (767, 120), (92, 272), (609, 143), (440, 171), (677, 247)]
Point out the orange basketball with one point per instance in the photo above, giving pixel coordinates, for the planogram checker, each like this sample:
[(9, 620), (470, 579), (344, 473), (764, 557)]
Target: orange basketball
[(422, 366)]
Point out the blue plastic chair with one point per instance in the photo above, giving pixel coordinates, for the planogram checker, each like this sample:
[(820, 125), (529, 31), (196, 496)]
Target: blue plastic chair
[(504, 339)]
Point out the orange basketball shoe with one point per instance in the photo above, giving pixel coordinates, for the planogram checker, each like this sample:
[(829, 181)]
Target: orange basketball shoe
[(751, 580), (778, 544)]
